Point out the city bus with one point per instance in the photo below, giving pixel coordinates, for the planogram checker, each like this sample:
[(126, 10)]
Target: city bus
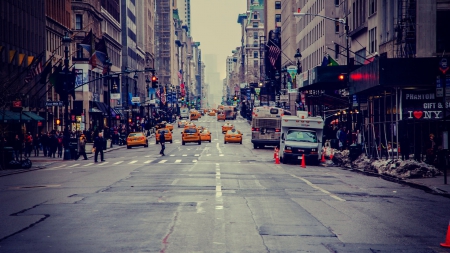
[(266, 126)]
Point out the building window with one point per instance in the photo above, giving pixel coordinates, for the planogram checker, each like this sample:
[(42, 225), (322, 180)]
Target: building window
[(255, 64), (255, 54), (79, 51), (255, 16), (336, 2), (255, 43), (360, 57), (255, 35), (372, 6), (277, 17), (336, 51), (78, 21), (336, 25), (255, 24), (278, 5), (372, 40)]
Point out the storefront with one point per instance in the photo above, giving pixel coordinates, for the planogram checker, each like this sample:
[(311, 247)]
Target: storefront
[(401, 104)]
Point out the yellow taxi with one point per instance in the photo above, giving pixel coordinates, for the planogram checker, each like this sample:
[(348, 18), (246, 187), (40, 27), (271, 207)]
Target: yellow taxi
[(169, 126), (167, 134), (136, 139), (189, 124), (190, 134), (233, 136), (212, 113), (182, 123), (195, 115), (227, 127), (205, 135), (221, 116)]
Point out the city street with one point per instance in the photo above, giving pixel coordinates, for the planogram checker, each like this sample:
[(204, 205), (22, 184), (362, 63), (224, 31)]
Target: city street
[(213, 197)]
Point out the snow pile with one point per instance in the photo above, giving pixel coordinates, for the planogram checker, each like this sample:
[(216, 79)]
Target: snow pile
[(391, 167)]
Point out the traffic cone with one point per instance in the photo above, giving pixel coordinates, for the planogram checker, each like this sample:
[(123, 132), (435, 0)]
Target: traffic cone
[(275, 153), (446, 244), (323, 157), (303, 165), (277, 159), (331, 155)]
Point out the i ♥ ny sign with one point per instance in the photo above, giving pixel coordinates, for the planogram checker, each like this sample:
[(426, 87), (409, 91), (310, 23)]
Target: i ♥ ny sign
[(425, 114)]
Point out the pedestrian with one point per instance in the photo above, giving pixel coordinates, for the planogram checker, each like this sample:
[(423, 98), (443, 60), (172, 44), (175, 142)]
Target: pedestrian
[(28, 144), (162, 140), (17, 147), (53, 144), (36, 144), (82, 147), (98, 145), (341, 135), (44, 143), (60, 145), (431, 149)]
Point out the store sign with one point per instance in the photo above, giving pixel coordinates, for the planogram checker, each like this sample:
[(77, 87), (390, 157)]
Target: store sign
[(422, 105), (135, 99)]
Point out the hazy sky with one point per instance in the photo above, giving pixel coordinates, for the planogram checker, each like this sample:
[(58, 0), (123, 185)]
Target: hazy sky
[(214, 25)]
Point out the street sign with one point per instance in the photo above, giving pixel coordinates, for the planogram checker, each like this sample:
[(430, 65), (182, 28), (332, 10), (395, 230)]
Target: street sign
[(135, 99), (284, 98), (54, 103)]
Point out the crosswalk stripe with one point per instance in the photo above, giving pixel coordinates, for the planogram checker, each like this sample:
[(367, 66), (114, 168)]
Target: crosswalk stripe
[(119, 162), (132, 162), (73, 165), (172, 155), (162, 161), (177, 161), (103, 163), (197, 155), (149, 161), (88, 164), (184, 155), (194, 161)]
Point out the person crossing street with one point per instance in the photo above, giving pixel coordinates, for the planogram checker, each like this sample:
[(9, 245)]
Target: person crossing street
[(162, 140), (98, 145)]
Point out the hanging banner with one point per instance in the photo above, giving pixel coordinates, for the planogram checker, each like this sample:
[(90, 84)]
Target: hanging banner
[(422, 105)]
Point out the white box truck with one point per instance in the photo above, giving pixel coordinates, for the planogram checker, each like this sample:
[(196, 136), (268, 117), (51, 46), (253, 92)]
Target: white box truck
[(301, 135), (184, 113)]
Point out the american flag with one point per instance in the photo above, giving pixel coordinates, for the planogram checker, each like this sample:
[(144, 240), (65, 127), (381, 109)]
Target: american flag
[(180, 74), (274, 52), (158, 92), (163, 97), (33, 72)]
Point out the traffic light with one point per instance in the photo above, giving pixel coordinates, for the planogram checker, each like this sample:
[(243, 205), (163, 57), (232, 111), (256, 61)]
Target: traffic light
[(129, 120), (57, 122), (118, 117), (182, 99), (235, 98), (342, 77), (154, 81)]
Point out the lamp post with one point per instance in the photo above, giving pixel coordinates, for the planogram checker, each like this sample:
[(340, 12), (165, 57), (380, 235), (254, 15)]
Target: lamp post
[(66, 40), (147, 81), (108, 65), (297, 57)]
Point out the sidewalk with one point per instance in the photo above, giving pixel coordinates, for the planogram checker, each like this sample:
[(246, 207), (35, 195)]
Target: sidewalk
[(42, 162), (435, 184)]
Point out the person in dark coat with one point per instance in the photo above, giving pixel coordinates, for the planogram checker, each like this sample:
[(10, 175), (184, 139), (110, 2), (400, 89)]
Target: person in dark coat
[(98, 145), (44, 142), (36, 144), (60, 145), (17, 147), (162, 141), (53, 143)]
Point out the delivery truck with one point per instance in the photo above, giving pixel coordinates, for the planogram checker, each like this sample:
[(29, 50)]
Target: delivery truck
[(301, 138)]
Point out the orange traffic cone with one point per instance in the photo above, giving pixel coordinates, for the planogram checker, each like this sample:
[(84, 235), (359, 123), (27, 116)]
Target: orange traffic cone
[(303, 165), (331, 155), (275, 151), (277, 158), (446, 244), (323, 157)]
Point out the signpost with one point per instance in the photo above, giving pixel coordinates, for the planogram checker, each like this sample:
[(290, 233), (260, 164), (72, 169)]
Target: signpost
[(54, 103)]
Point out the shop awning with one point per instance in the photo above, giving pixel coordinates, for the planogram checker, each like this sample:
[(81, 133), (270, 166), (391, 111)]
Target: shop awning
[(33, 116), (94, 110), (10, 117), (325, 78), (102, 107), (115, 112)]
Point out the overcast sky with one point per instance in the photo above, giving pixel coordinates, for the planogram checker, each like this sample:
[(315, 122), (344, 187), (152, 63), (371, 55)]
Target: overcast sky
[(214, 25)]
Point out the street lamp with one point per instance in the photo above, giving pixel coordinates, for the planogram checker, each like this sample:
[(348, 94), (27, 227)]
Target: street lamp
[(108, 65), (297, 56)]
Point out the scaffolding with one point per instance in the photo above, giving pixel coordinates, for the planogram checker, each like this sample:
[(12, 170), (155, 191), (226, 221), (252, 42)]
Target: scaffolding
[(163, 41), (405, 45)]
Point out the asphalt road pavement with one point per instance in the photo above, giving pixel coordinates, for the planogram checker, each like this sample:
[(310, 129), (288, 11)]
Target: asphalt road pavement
[(213, 197)]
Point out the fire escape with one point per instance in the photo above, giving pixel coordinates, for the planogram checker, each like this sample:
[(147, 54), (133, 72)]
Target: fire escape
[(163, 24), (405, 45)]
